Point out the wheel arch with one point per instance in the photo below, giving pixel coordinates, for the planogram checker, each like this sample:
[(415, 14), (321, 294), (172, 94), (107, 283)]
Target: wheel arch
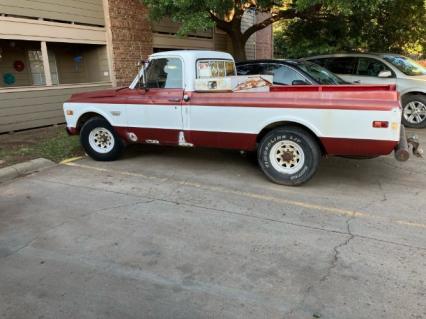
[(270, 127), (87, 116), (415, 92)]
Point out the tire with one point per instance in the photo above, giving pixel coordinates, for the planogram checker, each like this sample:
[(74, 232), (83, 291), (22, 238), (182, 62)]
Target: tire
[(109, 148), (291, 142), (414, 110)]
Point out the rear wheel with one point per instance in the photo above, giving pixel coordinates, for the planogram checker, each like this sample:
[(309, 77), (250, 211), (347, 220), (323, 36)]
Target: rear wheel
[(414, 111), (99, 140), (289, 156)]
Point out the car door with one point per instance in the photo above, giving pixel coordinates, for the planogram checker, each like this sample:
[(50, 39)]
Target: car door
[(368, 70), (155, 112)]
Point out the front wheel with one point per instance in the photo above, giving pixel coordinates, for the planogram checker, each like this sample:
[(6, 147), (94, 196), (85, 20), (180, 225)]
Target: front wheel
[(414, 111), (99, 140), (289, 156)]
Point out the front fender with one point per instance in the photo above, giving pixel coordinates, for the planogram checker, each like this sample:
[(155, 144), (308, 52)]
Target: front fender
[(114, 114)]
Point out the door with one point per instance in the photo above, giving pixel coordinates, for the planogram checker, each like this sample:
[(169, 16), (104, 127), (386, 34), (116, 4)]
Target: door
[(155, 114), (368, 71)]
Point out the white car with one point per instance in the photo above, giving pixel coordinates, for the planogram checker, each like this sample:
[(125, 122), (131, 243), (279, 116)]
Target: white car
[(384, 68)]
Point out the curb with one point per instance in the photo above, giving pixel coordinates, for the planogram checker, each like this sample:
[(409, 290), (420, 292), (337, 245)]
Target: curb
[(22, 169)]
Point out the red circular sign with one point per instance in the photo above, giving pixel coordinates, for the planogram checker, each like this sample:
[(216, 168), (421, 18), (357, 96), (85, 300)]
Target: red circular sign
[(19, 66)]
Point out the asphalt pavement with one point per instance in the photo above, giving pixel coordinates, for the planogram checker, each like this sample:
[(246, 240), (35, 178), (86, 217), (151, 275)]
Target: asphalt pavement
[(184, 233)]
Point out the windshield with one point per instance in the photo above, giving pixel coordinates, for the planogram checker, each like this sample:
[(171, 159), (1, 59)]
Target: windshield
[(405, 65), (321, 75)]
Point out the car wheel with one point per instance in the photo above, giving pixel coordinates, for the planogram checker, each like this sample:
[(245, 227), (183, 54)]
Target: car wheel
[(289, 156), (414, 111), (99, 140)]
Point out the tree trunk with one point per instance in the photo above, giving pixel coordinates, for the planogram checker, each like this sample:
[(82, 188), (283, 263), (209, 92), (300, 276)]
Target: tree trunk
[(238, 46)]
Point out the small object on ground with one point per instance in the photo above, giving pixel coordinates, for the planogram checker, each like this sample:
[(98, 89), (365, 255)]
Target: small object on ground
[(316, 315)]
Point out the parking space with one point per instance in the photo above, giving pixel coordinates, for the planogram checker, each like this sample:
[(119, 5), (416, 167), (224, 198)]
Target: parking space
[(184, 233)]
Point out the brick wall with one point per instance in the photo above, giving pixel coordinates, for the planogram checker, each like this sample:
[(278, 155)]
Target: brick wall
[(131, 37), (264, 40)]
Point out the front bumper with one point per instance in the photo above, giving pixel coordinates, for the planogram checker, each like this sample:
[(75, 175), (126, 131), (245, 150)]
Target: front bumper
[(402, 150)]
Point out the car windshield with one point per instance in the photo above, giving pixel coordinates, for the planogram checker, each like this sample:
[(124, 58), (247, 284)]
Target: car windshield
[(320, 74), (405, 65)]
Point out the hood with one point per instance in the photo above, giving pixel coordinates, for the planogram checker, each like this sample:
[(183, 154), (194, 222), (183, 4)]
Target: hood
[(94, 95)]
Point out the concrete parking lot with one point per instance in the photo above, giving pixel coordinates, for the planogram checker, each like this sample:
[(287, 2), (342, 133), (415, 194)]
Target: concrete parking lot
[(183, 233)]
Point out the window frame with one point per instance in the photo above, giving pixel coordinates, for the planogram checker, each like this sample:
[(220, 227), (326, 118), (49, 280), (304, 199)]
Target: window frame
[(165, 57)]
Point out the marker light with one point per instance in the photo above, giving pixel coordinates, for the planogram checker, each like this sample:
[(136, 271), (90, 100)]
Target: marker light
[(70, 112), (380, 124)]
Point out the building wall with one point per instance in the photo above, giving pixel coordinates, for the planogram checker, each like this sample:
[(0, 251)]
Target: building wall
[(79, 11), (264, 40), (131, 37), (249, 18), (37, 107)]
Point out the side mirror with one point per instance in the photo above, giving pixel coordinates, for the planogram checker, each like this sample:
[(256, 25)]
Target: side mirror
[(299, 82), (385, 74)]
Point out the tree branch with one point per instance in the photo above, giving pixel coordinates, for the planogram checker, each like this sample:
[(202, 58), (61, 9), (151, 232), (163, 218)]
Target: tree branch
[(221, 24), (282, 15)]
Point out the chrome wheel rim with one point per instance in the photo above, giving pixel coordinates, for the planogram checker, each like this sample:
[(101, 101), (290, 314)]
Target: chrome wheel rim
[(101, 140), (287, 157), (415, 112)]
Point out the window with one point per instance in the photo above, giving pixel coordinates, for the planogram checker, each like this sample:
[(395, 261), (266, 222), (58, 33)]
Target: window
[(164, 73), (37, 68), (345, 65), (320, 62), (320, 74), (406, 65), (370, 67), (215, 68), (248, 69), (283, 74)]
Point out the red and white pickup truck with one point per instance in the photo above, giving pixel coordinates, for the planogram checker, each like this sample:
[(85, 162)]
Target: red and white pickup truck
[(195, 99)]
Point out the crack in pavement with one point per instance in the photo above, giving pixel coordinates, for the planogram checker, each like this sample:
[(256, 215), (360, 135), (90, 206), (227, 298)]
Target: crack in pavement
[(336, 249), (333, 264), (241, 214)]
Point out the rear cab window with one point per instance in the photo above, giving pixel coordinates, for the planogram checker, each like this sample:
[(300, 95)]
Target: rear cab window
[(207, 68)]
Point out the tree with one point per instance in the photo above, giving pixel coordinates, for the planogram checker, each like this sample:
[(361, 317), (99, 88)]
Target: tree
[(377, 26), (227, 15)]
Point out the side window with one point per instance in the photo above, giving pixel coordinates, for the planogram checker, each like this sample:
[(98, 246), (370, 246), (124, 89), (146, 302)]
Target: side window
[(249, 69), (346, 65), (370, 67), (320, 62), (283, 75), (164, 73)]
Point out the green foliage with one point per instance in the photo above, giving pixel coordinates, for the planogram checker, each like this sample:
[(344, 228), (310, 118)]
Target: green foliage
[(381, 25)]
